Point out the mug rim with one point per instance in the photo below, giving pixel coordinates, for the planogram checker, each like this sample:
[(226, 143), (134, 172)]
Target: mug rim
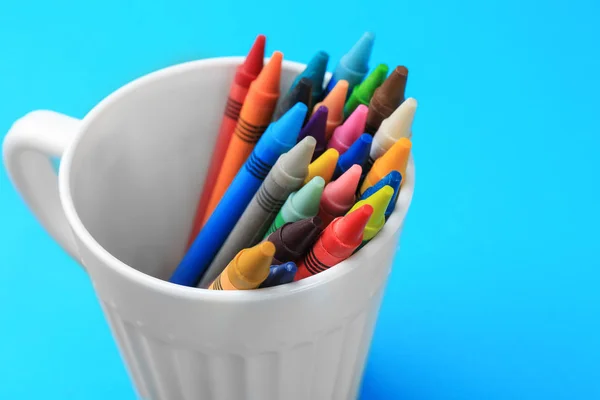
[(393, 224)]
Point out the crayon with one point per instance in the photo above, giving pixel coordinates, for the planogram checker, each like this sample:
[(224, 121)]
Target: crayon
[(280, 275), (393, 180), (315, 127), (254, 119), (354, 65), (286, 176), (302, 93), (386, 98), (337, 242), (248, 269), (301, 204), (323, 166), (339, 196), (279, 138), (347, 133), (315, 71), (393, 128), (293, 239), (244, 75), (357, 154), (395, 159), (362, 93), (379, 201), (335, 104)]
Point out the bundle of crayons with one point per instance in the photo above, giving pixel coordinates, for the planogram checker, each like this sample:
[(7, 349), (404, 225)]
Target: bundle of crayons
[(289, 194)]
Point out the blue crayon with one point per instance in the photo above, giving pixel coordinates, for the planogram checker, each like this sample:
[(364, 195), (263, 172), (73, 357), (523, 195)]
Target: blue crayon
[(279, 137), (393, 179), (358, 153), (315, 71), (280, 274), (354, 65)]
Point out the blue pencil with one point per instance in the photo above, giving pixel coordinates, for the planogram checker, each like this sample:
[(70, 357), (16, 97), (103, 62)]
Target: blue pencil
[(279, 137), (393, 179), (357, 153), (280, 274), (354, 65)]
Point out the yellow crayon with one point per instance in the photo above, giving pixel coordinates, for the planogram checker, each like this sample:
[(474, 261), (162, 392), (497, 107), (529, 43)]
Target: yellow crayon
[(249, 268), (324, 166), (379, 201), (396, 158)]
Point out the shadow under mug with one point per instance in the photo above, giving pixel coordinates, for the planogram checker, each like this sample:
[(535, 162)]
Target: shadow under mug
[(129, 181)]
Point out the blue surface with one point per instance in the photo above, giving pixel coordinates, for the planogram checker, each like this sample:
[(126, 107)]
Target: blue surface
[(495, 293)]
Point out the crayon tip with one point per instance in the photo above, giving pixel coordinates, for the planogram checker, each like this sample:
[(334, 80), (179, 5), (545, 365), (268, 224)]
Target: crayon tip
[(379, 201), (282, 130), (289, 267), (315, 71), (400, 122), (268, 79), (306, 200), (301, 93), (335, 100), (341, 191), (253, 63), (357, 58), (295, 162), (324, 166), (251, 266), (350, 228), (392, 89), (351, 129), (305, 232), (396, 158), (315, 126), (358, 153), (366, 89)]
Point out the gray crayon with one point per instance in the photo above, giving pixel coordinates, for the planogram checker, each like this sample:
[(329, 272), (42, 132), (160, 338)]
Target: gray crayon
[(286, 176)]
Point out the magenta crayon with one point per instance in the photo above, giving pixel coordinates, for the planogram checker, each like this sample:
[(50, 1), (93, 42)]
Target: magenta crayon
[(347, 133)]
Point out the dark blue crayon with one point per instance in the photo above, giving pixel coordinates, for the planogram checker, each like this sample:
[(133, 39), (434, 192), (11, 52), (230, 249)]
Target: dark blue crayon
[(315, 71), (280, 274), (354, 65), (393, 179), (279, 138), (358, 153)]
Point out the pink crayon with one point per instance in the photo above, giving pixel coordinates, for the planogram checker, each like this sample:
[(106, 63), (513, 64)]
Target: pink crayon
[(338, 196), (346, 134)]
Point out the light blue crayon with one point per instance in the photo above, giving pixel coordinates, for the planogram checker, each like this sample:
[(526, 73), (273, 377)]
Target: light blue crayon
[(354, 65), (279, 137), (358, 153), (315, 71), (393, 179), (280, 274)]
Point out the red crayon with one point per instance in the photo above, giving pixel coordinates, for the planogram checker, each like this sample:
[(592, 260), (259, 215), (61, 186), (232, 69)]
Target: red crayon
[(338, 196), (244, 75), (337, 242)]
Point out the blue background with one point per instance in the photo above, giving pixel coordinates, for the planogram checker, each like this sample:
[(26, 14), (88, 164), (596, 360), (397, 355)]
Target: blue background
[(495, 293)]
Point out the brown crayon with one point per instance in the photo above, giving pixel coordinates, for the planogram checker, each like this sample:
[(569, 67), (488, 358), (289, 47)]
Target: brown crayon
[(386, 99)]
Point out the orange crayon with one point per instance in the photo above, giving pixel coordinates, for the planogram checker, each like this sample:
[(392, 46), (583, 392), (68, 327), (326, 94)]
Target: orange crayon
[(335, 104), (245, 74), (254, 119), (395, 159), (249, 268)]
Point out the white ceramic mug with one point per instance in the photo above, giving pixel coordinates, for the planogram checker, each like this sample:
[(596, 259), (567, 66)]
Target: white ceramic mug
[(129, 181)]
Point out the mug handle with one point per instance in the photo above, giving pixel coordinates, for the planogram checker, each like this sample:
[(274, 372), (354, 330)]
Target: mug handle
[(28, 147)]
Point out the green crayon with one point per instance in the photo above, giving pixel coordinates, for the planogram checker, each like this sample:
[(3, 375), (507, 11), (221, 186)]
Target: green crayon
[(301, 204), (363, 92)]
